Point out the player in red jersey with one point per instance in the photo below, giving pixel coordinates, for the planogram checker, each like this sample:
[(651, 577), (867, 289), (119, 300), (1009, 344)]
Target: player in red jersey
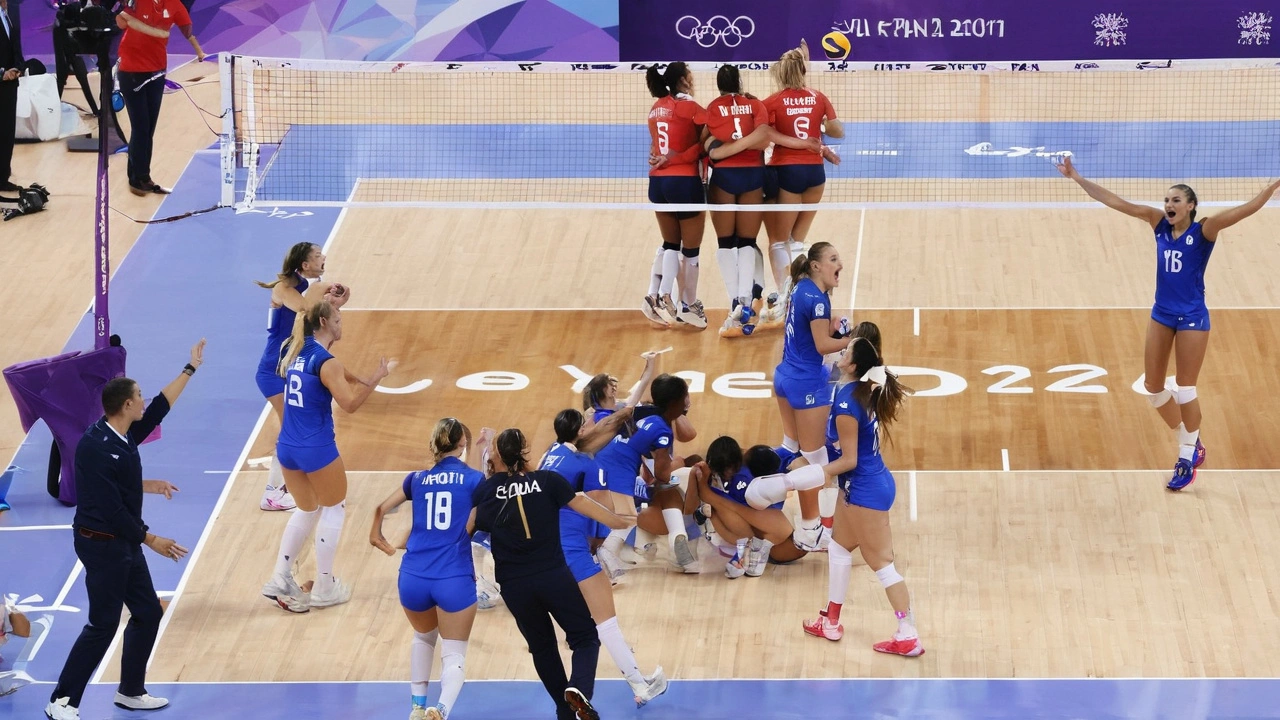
[(675, 177), (799, 112)]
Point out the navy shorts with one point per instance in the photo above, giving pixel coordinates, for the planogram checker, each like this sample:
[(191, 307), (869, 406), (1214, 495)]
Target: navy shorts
[(1197, 319), (579, 559), (875, 492), (803, 393), (684, 189), (269, 383), (306, 459), (798, 178), (451, 595), (770, 182), (738, 180)]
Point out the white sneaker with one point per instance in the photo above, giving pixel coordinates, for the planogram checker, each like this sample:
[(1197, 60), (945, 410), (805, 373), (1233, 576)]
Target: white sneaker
[(684, 558), (650, 308), (418, 713), (610, 563), (653, 686), (277, 499), (11, 680), (669, 306), (435, 712), (61, 710), (807, 538), (140, 702), (284, 590), (328, 593), (693, 315), (732, 327), (735, 568), (757, 558), (488, 594)]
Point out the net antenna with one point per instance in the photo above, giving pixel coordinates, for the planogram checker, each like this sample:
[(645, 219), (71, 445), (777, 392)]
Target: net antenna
[(573, 135)]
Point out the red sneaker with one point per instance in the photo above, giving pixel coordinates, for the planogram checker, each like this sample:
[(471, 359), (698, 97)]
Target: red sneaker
[(822, 627), (910, 647)]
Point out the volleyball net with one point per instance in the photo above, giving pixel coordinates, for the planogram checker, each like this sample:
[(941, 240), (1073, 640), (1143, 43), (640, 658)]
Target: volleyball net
[(333, 133)]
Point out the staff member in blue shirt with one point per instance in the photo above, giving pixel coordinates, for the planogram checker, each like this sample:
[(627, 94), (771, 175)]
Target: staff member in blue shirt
[(109, 533)]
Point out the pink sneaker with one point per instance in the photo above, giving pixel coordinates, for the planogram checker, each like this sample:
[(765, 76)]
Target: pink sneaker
[(822, 627), (907, 647)]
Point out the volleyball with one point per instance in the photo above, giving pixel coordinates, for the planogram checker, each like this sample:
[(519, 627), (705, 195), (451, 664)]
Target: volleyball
[(836, 45)]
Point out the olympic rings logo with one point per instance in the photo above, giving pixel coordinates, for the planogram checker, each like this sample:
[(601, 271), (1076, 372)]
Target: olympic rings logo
[(718, 28)]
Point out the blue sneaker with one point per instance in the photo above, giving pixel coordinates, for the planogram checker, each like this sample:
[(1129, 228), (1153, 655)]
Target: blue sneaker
[(1199, 456), (1183, 475)]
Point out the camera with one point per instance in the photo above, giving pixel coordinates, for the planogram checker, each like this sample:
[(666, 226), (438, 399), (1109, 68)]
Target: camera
[(90, 26)]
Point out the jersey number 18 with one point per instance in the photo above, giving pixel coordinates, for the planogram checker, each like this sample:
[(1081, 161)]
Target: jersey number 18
[(438, 512)]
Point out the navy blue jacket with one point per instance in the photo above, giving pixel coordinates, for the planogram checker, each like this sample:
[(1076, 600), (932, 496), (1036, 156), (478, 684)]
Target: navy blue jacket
[(109, 476)]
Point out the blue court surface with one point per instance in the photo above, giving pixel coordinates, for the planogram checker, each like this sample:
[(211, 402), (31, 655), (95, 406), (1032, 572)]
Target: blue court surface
[(160, 309), (321, 162)]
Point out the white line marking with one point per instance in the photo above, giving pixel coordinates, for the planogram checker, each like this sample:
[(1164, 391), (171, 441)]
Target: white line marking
[(1004, 458), (1181, 680), (262, 461), (217, 472), (865, 308), (701, 207), (34, 527), (204, 536), (912, 494), (915, 319), (337, 224), (857, 262), (66, 587)]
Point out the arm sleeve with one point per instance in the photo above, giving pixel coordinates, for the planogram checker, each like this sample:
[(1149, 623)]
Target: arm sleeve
[(821, 308), (96, 485), (151, 418)]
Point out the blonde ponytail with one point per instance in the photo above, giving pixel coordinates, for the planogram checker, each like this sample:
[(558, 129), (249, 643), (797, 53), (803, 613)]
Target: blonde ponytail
[(304, 326)]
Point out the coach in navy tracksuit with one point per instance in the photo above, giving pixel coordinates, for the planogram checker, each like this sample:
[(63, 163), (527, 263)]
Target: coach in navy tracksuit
[(520, 508), (109, 535)]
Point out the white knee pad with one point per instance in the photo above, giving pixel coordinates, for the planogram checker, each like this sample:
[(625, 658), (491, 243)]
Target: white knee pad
[(807, 477), (796, 248), (1184, 395), (1160, 398), (453, 655), (332, 516), (816, 457), (888, 576), (766, 490), (827, 498)]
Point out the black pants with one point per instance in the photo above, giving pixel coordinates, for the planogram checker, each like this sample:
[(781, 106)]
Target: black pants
[(8, 125), (116, 575), (536, 599), (143, 93)]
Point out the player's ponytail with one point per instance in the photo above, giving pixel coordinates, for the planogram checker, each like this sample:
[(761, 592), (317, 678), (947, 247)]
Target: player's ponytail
[(801, 267), (879, 394), (293, 261), (304, 326), (675, 77), (447, 437), (789, 71), (568, 425), (1191, 197), (657, 84), (728, 80), (512, 451)]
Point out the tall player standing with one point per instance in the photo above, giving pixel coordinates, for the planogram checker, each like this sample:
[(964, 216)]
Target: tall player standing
[(1179, 318)]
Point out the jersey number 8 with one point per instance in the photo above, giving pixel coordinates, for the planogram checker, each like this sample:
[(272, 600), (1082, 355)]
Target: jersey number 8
[(295, 391), (438, 512)]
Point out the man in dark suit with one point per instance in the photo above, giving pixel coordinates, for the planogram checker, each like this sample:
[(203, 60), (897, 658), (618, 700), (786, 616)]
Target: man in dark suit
[(10, 68)]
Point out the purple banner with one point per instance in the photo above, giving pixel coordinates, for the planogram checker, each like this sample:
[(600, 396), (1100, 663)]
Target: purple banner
[(947, 30)]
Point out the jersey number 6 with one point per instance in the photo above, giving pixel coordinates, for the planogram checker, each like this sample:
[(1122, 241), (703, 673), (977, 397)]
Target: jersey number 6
[(664, 141)]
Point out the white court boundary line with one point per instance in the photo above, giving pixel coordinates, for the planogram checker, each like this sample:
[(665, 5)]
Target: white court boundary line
[(723, 679), (857, 261), (901, 308), (217, 509), (18, 528), (699, 207)]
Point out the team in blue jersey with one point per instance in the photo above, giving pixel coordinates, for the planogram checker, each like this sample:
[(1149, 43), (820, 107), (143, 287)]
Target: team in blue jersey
[(1179, 317)]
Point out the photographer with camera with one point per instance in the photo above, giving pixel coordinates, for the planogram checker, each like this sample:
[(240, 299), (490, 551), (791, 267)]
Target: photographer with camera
[(143, 63), (10, 69)]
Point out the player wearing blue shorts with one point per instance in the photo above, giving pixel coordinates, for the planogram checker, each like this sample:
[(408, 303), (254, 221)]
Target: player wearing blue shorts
[(621, 461), (303, 265), (801, 383), (1179, 319), (576, 534), (866, 404), (437, 578), (675, 178), (309, 454), (745, 492)]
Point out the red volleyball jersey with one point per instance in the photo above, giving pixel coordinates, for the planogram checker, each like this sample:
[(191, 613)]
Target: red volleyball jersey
[(674, 130), (731, 117), (798, 113)]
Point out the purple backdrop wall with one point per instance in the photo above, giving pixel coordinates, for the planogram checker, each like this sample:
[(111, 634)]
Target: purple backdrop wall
[(947, 30)]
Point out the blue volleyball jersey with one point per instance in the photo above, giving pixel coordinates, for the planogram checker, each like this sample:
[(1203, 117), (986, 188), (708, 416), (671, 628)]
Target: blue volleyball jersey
[(735, 488), (308, 404), (439, 546), (279, 327), (1180, 264), (869, 460), (584, 475), (622, 456), (800, 354)]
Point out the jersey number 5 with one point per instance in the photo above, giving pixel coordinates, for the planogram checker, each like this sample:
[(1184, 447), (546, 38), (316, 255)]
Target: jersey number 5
[(1172, 261), (294, 395), (664, 141), (438, 513)]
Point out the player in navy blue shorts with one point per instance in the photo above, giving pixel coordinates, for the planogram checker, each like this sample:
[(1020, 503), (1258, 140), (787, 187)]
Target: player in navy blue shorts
[(1179, 319), (437, 578), (307, 450), (866, 404), (675, 177), (576, 534), (621, 461), (303, 265), (801, 382)]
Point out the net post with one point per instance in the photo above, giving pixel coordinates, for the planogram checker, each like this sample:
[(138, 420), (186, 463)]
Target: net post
[(250, 137), (228, 138)]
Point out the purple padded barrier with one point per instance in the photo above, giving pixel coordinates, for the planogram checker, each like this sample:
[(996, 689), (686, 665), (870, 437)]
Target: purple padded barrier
[(66, 392)]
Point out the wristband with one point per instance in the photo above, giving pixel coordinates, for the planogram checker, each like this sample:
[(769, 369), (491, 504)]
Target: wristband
[(189, 369)]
